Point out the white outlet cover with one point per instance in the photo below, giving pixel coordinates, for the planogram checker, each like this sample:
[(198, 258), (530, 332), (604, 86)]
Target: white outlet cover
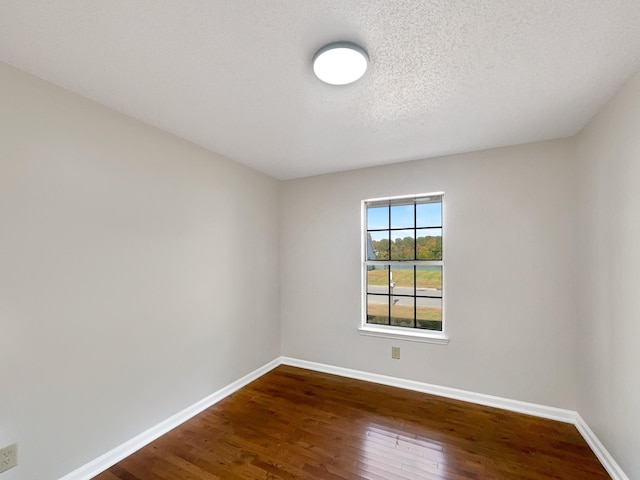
[(8, 457)]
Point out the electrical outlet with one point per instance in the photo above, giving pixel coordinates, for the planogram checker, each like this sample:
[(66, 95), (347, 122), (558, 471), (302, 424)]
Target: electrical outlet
[(8, 457), (395, 353)]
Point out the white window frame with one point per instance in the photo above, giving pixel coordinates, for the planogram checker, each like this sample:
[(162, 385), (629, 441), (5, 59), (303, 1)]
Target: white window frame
[(390, 331)]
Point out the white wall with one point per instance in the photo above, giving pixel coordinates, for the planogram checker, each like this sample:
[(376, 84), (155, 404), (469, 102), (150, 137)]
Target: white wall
[(138, 274), (509, 240), (609, 341)]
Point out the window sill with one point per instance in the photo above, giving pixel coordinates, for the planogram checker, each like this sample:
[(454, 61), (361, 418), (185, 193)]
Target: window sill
[(395, 334)]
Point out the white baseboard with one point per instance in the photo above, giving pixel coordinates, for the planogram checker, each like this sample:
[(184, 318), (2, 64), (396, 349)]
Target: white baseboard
[(100, 464), (610, 465), (552, 413)]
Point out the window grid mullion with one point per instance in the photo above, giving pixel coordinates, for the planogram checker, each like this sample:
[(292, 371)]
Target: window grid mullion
[(389, 295), (415, 298), (406, 263), (402, 295), (389, 274), (402, 228), (415, 257), (415, 233)]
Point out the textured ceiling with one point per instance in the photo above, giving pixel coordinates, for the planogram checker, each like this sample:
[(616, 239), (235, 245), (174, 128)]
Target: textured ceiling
[(235, 75)]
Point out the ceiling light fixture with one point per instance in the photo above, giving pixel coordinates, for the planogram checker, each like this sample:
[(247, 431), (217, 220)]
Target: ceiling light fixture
[(340, 63)]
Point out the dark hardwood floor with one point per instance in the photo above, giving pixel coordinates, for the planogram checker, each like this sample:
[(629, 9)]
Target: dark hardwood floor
[(298, 424)]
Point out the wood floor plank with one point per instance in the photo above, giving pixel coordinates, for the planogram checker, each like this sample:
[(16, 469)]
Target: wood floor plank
[(294, 424)]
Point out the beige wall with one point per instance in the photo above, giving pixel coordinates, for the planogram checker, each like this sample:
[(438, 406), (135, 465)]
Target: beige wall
[(138, 274), (509, 244), (609, 341)]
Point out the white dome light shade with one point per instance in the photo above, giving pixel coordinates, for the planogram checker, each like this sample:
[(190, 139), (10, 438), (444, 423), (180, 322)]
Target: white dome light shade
[(340, 63)]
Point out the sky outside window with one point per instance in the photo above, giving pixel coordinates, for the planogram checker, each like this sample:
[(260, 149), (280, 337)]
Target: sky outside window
[(427, 215)]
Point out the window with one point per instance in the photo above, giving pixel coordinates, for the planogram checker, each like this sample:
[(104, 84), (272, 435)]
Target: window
[(403, 266)]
